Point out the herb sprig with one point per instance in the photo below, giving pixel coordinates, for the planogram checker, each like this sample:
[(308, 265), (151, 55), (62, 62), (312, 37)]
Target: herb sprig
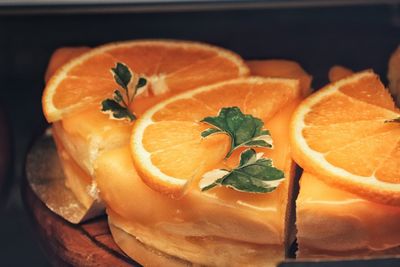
[(244, 130), (254, 173), (118, 106)]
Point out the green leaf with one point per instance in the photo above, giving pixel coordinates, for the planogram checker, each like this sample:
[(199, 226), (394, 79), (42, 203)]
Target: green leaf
[(253, 174), (122, 75), (210, 131), (393, 120), (244, 130), (258, 143), (118, 107), (117, 110), (141, 82), (118, 96)]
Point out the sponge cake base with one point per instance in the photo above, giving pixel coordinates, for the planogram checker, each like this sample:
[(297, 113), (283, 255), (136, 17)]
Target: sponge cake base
[(151, 247)]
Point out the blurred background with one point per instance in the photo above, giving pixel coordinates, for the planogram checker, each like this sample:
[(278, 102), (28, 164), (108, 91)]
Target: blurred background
[(318, 34)]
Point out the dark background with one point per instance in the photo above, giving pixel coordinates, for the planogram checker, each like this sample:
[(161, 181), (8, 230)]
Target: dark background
[(356, 36)]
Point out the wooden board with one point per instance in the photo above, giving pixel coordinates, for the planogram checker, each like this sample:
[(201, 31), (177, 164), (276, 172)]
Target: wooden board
[(65, 244)]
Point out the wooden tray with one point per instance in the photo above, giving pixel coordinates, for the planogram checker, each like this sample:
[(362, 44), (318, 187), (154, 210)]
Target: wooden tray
[(65, 244)]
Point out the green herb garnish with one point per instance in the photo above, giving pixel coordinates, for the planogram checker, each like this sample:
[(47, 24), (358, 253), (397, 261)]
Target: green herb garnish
[(253, 174), (244, 130), (393, 120), (118, 106)]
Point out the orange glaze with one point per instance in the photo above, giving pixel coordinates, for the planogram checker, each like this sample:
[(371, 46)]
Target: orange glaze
[(222, 212), (329, 218)]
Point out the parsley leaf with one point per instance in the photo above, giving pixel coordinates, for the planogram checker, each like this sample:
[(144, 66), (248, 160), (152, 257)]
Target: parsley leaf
[(393, 120), (118, 111), (244, 130), (254, 174), (118, 106), (122, 75)]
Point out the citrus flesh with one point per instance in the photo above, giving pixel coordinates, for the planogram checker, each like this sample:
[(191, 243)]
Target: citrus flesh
[(169, 66), (166, 143), (340, 135)]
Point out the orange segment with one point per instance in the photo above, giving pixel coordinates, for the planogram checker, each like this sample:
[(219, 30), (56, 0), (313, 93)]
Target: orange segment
[(362, 157), (370, 90), (61, 56), (173, 61), (390, 167), (169, 152), (264, 100), (184, 110), (188, 132), (324, 138), (91, 91), (340, 135), (233, 93), (280, 68), (333, 107), (142, 58), (169, 66), (96, 66), (193, 163), (213, 70)]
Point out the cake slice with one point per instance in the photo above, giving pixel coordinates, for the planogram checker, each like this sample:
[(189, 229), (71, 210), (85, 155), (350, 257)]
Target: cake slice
[(332, 222), (347, 139), (80, 79), (220, 226)]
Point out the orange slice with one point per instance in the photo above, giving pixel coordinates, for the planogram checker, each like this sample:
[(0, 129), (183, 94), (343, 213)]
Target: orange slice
[(166, 144), (170, 67), (340, 134)]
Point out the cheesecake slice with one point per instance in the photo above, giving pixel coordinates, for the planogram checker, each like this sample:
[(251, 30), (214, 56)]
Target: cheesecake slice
[(332, 222), (346, 139), (84, 134), (220, 227)]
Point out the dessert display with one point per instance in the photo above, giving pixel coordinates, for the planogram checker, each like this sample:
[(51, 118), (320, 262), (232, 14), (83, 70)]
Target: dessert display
[(191, 152)]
